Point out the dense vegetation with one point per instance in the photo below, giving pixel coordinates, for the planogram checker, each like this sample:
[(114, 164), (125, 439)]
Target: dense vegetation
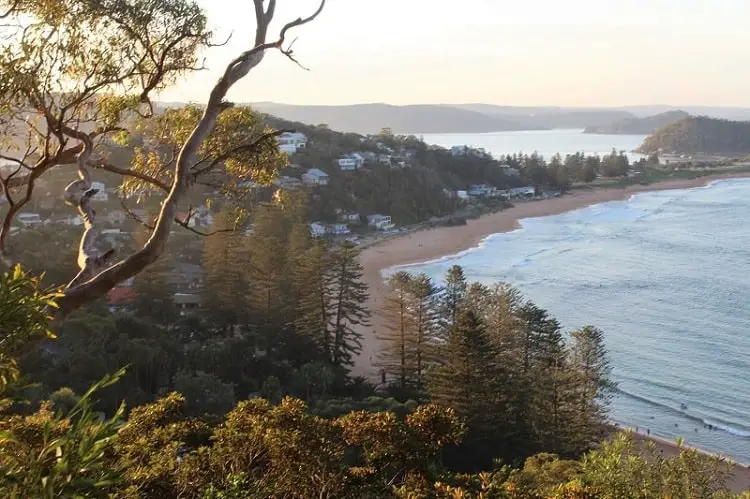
[(638, 126), (700, 135), (206, 445)]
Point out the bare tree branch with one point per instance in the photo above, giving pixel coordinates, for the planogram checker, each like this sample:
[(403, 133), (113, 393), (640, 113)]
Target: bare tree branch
[(79, 293), (127, 172)]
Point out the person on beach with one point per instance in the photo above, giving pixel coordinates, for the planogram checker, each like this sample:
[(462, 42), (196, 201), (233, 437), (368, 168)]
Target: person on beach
[(648, 431)]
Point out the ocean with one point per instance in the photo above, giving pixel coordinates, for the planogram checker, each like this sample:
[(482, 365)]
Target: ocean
[(544, 142), (666, 276)]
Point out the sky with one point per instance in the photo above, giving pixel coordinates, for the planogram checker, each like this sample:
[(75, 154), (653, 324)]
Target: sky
[(506, 52)]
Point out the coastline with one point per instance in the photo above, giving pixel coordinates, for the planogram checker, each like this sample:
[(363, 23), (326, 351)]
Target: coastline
[(433, 243)]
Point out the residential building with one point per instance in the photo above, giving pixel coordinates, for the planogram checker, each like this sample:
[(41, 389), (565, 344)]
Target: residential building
[(338, 229), (380, 222), (509, 170), (185, 302), (116, 217), (186, 277), (351, 162), (29, 219), (522, 192), (287, 182), (291, 141), (315, 176), (101, 194), (459, 150), (184, 216), (462, 195), (317, 229), (482, 190), (345, 216), (385, 158)]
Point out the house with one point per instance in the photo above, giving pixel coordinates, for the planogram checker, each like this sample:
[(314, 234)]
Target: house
[(289, 142), (351, 162), (101, 189), (368, 156), (338, 229), (287, 182), (482, 190), (116, 217), (459, 150), (522, 192), (185, 216), (408, 153), (462, 195), (509, 170), (29, 219), (385, 159), (380, 222), (317, 229), (345, 216), (315, 176), (186, 302), (120, 297)]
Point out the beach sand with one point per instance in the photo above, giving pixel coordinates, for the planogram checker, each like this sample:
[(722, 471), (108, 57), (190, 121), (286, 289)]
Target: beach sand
[(430, 244)]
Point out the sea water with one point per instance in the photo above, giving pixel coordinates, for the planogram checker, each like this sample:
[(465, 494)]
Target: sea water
[(544, 142), (666, 276)]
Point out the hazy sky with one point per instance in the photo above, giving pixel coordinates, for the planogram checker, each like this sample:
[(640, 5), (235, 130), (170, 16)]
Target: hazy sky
[(530, 52)]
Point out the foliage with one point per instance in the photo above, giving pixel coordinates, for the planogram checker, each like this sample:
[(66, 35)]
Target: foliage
[(700, 135)]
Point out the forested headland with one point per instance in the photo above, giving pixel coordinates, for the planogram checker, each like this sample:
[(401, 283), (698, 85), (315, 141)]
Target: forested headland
[(700, 135)]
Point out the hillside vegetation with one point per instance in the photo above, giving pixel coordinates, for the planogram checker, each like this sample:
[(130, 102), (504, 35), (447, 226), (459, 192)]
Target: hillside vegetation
[(637, 126), (700, 135)]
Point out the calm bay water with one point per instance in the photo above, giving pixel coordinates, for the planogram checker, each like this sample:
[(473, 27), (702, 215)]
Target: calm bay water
[(666, 275), (545, 142)]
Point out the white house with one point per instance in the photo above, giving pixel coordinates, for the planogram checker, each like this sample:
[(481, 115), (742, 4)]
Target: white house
[(351, 162), (287, 182), (509, 170), (338, 229), (289, 142), (462, 195), (345, 216), (523, 192), (101, 195), (459, 150), (116, 217), (317, 229), (29, 219), (380, 222), (482, 190), (315, 176)]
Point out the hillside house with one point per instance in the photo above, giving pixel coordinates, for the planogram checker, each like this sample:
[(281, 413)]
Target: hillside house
[(380, 222), (101, 194), (522, 192), (351, 162), (509, 170), (317, 229), (184, 216), (185, 302), (116, 217), (483, 191), (288, 183), (315, 176), (385, 159), (462, 195), (459, 150), (338, 229), (29, 219), (290, 142), (345, 216)]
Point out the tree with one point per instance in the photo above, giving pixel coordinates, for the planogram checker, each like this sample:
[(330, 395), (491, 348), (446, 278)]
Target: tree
[(452, 297), (79, 72), (204, 393), (347, 308), (225, 277), (313, 307), (594, 386), (154, 295), (394, 358), (465, 380), (423, 294)]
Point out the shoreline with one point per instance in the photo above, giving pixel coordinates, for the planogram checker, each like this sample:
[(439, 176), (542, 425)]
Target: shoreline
[(430, 244), (434, 243)]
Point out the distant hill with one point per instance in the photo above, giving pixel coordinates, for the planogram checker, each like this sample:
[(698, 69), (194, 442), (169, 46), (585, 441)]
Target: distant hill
[(371, 118), (548, 117), (638, 126), (700, 134)]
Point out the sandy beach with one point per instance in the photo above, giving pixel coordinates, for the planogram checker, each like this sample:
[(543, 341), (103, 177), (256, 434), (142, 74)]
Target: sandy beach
[(434, 243)]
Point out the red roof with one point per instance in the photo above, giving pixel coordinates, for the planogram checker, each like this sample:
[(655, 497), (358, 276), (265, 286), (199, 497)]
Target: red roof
[(120, 295)]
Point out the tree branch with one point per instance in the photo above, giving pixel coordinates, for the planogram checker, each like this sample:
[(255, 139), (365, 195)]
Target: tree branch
[(127, 172), (84, 292), (253, 146)]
